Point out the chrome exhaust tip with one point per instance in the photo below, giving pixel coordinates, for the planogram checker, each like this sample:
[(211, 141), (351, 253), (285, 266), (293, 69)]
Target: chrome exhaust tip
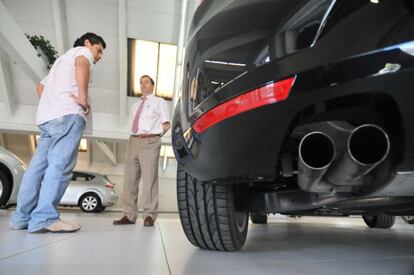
[(316, 154), (367, 146)]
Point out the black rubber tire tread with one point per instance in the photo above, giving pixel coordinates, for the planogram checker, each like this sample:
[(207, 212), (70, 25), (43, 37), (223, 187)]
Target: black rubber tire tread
[(207, 214), (183, 206), (7, 188), (408, 219), (98, 206), (257, 218), (379, 221), (101, 209)]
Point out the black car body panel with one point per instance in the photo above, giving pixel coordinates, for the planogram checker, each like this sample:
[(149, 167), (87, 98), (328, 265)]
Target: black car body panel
[(352, 61), (256, 151)]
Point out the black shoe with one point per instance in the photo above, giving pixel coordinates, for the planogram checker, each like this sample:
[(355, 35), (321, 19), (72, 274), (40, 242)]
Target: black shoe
[(123, 220)]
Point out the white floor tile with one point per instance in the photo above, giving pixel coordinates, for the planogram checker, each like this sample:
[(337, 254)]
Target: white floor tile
[(306, 245)]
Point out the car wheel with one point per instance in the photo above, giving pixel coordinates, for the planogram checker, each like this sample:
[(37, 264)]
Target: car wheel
[(258, 218), (90, 202), (379, 221), (408, 219), (208, 216), (5, 188)]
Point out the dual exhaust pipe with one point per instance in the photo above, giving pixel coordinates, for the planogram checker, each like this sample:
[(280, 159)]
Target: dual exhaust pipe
[(324, 163)]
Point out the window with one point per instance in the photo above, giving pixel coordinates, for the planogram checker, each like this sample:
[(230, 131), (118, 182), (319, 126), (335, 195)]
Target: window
[(79, 176), (211, 76), (158, 60), (302, 30)]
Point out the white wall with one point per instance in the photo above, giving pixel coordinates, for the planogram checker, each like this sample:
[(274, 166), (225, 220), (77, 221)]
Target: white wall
[(100, 17), (155, 20), (38, 21)]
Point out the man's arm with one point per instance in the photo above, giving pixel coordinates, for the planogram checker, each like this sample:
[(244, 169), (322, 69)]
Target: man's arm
[(40, 89), (166, 126), (82, 73)]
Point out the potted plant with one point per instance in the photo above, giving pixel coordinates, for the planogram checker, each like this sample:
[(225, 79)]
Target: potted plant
[(44, 48)]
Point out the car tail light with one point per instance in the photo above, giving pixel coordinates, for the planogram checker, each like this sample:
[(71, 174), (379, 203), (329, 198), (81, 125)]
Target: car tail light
[(109, 185), (269, 94)]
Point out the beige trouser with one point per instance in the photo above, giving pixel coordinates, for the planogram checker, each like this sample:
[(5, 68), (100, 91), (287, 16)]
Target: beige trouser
[(141, 160)]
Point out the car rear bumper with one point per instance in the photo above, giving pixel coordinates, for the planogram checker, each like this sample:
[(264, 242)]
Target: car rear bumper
[(109, 198)]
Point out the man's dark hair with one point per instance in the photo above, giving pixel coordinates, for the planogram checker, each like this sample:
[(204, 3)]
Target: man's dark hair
[(147, 76), (93, 39)]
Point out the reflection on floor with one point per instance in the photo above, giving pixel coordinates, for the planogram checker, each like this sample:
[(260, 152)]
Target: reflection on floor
[(306, 245)]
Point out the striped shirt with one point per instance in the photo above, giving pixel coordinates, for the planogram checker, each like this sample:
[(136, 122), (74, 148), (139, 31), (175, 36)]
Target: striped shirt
[(60, 86)]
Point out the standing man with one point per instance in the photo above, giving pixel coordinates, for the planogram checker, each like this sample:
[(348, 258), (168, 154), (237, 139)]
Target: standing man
[(149, 120), (61, 116)]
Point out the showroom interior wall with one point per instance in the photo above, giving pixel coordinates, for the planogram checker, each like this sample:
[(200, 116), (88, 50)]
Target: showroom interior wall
[(62, 22)]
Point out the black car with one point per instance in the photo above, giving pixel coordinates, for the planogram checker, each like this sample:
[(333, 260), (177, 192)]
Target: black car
[(298, 107)]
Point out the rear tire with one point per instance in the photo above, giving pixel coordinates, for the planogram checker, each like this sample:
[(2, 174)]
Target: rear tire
[(101, 209), (258, 218), (90, 203), (208, 216), (379, 221), (5, 188)]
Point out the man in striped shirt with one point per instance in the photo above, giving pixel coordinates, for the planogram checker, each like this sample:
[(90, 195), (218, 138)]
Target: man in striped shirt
[(61, 117)]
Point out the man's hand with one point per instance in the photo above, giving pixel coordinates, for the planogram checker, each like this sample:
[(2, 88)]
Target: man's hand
[(166, 126), (40, 89), (83, 103)]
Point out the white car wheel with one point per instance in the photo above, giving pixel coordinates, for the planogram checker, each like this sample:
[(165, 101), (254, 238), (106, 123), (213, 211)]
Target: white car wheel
[(90, 203)]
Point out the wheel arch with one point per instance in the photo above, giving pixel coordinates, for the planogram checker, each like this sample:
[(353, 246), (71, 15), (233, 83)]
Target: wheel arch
[(87, 192)]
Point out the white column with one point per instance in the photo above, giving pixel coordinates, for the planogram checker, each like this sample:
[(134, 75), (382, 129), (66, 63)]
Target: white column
[(5, 83), (107, 151), (123, 62), (61, 26)]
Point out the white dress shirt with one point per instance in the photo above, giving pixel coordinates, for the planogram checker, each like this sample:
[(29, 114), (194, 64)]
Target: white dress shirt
[(154, 114), (60, 86)]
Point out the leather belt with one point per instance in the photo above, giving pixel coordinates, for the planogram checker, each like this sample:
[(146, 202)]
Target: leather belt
[(146, 135)]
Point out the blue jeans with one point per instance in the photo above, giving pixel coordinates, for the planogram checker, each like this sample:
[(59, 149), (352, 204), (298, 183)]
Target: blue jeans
[(49, 173)]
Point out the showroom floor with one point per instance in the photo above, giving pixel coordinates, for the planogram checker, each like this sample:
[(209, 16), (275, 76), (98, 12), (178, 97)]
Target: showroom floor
[(307, 245)]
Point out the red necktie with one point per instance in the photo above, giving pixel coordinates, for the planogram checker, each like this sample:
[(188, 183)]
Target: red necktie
[(137, 115)]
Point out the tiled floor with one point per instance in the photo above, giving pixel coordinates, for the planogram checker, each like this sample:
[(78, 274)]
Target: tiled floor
[(307, 245)]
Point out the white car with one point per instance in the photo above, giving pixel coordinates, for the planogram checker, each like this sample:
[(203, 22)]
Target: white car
[(92, 192)]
